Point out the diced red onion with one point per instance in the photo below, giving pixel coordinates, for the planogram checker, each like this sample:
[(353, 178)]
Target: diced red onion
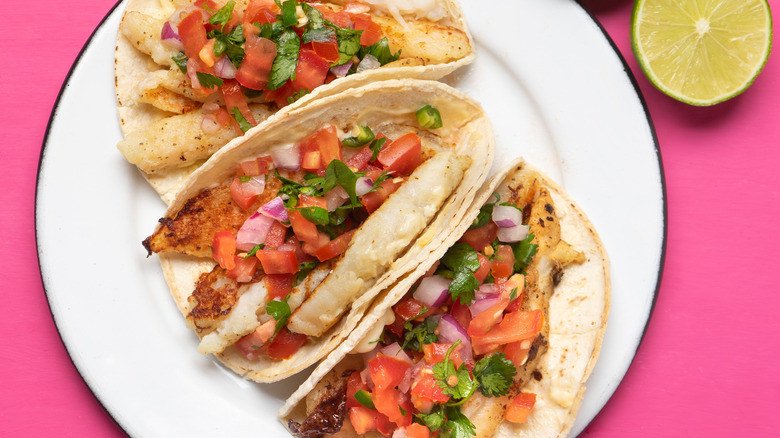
[(487, 289), (356, 8), (394, 350), (480, 305), (224, 68), (210, 107), (170, 36), (192, 73), (363, 185), (432, 290), (336, 197), (255, 186), (341, 70), (369, 62), (253, 232), (506, 216), (275, 209), (288, 158), (450, 332), (209, 125), (365, 377), (406, 383), (513, 234)]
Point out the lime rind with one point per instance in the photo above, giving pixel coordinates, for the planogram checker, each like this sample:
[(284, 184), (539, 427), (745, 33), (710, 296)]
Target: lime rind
[(680, 64)]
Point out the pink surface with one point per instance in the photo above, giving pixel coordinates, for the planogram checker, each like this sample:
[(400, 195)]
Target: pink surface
[(707, 366)]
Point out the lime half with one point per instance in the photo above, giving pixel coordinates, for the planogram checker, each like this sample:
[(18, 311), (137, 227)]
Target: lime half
[(701, 52)]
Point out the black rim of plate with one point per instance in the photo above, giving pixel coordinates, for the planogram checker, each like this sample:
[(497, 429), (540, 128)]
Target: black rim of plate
[(615, 50)]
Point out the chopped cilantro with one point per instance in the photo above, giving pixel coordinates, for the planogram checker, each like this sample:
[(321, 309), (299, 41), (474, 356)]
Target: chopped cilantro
[(433, 420), (181, 61), (271, 31), (524, 252), (316, 29), (254, 250), (338, 173), (423, 333), (240, 119), (315, 215), (348, 42), (304, 269), (283, 68), (280, 311), (380, 51), (494, 375), (229, 44), (457, 383), (463, 261), (375, 147), (222, 16), (485, 214), (298, 94), (457, 424), (209, 81)]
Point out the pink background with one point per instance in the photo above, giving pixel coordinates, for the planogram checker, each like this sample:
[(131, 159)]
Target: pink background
[(707, 366)]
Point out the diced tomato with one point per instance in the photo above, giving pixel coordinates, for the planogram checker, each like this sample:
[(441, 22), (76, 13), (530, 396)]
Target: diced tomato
[(259, 11), (223, 118), (281, 95), (410, 308), (503, 262), (329, 51), (484, 268), (255, 69), (249, 168), (402, 155), (312, 246), (275, 236), (223, 249), (485, 320), (436, 352), (340, 18), (266, 163), (335, 247), (480, 237), (520, 408), (416, 430), (384, 425), (244, 270), (515, 326), (234, 98), (461, 313), (285, 344), (278, 262), (251, 344), (355, 384), (363, 419), (372, 33), (387, 372), (390, 401), (311, 70), (243, 194), (515, 282), (313, 201), (310, 153), (360, 159), (329, 144), (373, 200), (303, 229), (279, 285), (192, 32), (517, 351)]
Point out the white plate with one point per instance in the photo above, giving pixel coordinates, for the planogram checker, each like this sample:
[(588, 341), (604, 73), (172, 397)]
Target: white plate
[(557, 93)]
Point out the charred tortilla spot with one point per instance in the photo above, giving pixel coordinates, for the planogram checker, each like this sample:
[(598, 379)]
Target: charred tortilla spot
[(550, 218), (541, 222), (537, 375), (328, 415), (549, 208)]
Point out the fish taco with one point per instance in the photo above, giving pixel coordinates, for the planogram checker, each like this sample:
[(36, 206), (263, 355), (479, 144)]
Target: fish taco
[(191, 75), (277, 245), (493, 336)]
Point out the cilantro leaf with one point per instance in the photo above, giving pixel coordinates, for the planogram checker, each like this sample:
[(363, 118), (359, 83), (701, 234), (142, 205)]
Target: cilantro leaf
[(229, 44), (209, 81), (280, 311), (298, 94), (181, 61), (433, 420), (463, 287), (338, 173), (375, 147), (222, 16), (524, 252), (304, 269), (416, 336), (485, 214), (254, 250), (271, 31), (380, 51), (316, 29), (457, 424), (463, 261), (348, 42), (457, 383), (494, 375), (240, 119), (315, 215), (283, 68)]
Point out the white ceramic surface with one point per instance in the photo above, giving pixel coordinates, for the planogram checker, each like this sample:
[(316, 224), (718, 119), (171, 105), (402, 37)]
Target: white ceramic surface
[(557, 93)]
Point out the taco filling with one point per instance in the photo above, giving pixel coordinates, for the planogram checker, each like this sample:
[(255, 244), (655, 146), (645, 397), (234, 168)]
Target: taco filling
[(453, 355), (281, 227), (224, 67)]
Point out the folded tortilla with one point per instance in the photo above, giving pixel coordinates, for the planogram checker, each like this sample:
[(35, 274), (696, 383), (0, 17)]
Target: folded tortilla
[(411, 223), (576, 307), (161, 119)]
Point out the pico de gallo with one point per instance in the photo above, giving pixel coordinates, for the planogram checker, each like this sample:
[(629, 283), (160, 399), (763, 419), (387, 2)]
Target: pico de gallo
[(275, 51), (463, 330), (326, 185)]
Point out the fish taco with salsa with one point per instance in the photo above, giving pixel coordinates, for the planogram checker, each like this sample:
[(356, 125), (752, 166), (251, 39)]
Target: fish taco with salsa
[(191, 75), (277, 246), (493, 336)]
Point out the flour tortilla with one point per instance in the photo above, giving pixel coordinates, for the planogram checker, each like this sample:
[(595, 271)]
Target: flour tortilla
[(133, 67), (392, 104), (578, 313)]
